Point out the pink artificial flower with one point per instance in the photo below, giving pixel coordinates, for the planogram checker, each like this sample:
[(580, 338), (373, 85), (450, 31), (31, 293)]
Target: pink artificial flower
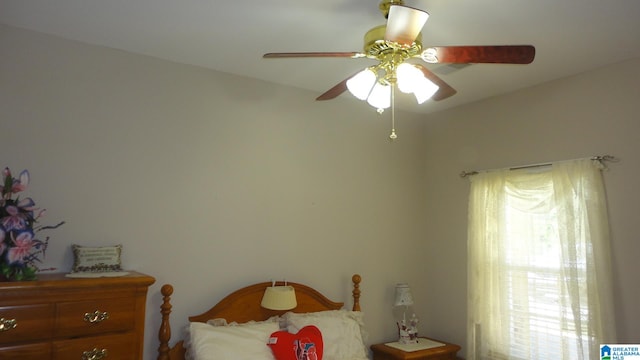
[(27, 204), (17, 185), (23, 244), (21, 183), (15, 220)]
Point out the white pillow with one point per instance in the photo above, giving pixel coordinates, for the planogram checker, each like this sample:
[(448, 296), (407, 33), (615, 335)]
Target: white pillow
[(223, 321), (342, 332), (242, 341)]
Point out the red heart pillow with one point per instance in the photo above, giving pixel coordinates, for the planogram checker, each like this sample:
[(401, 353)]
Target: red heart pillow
[(305, 345)]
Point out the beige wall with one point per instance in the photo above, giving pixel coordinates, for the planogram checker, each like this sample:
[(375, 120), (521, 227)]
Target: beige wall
[(591, 114), (213, 181)]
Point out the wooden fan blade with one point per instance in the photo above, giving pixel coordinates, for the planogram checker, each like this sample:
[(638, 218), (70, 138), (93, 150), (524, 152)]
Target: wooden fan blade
[(503, 54), (335, 91), (445, 89), (404, 24), (353, 55)]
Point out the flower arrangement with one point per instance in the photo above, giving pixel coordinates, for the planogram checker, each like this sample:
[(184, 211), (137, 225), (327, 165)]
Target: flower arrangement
[(19, 247)]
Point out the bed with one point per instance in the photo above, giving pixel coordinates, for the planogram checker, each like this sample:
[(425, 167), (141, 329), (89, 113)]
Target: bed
[(235, 327)]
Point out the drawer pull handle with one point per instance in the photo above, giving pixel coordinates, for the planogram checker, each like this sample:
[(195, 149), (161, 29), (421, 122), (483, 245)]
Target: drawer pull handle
[(94, 354), (8, 324), (96, 316)]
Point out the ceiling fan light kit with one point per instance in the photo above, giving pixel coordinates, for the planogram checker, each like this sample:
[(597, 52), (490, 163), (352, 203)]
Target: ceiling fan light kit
[(425, 90), (360, 85), (367, 85), (396, 42), (380, 96), (408, 76)]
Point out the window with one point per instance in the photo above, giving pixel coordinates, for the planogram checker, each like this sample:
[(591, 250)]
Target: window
[(539, 268)]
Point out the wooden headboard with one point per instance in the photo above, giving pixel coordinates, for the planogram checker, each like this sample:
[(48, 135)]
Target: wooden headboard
[(244, 305)]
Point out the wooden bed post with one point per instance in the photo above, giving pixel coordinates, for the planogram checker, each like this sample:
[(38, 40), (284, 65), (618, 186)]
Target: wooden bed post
[(165, 328), (356, 292)]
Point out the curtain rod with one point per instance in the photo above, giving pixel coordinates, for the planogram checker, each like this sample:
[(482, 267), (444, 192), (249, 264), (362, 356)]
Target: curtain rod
[(600, 158)]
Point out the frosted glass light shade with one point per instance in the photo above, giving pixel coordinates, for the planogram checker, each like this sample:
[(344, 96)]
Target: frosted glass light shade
[(403, 295), (380, 97), (279, 298), (425, 90), (361, 83), (409, 77)]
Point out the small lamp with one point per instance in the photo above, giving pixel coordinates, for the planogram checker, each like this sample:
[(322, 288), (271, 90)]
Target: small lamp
[(407, 328), (279, 297)]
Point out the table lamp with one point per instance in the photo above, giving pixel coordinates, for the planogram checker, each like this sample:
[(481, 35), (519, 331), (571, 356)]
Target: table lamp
[(402, 307)]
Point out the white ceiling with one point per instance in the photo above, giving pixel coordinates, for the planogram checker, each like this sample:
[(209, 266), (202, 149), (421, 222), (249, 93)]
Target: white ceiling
[(570, 36)]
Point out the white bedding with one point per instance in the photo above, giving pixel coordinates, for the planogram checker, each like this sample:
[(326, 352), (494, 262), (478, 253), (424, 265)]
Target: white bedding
[(342, 334)]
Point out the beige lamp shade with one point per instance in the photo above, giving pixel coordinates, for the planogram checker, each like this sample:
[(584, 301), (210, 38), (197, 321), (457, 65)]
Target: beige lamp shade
[(279, 298), (403, 295)]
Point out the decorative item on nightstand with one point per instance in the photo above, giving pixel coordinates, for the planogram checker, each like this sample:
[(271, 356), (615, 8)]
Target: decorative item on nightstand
[(282, 297), (402, 307)]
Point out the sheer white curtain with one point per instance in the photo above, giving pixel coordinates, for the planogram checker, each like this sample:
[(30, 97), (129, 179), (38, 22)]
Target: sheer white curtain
[(539, 280)]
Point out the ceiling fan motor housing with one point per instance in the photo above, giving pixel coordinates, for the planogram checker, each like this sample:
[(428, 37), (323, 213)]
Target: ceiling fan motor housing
[(376, 47), (388, 54)]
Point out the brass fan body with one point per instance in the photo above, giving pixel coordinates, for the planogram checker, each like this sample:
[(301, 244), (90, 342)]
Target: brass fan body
[(389, 54)]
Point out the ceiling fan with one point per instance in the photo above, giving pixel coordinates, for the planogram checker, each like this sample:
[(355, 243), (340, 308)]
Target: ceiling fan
[(399, 40)]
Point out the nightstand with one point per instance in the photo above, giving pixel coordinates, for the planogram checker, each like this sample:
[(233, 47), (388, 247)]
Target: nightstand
[(440, 352)]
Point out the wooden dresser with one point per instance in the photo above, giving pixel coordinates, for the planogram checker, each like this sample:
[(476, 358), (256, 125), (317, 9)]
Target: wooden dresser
[(61, 318)]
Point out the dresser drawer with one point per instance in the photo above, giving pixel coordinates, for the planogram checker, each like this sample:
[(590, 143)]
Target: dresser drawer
[(26, 352), (116, 347), (81, 318), (50, 317), (32, 322)]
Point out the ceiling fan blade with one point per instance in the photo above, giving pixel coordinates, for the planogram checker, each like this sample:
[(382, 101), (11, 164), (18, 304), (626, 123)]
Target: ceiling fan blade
[(353, 55), (335, 91), (404, 24), (503, 54), (445, 89)]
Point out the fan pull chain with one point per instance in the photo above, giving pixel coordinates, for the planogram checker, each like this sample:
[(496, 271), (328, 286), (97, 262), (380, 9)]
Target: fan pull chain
[(393, 135)]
